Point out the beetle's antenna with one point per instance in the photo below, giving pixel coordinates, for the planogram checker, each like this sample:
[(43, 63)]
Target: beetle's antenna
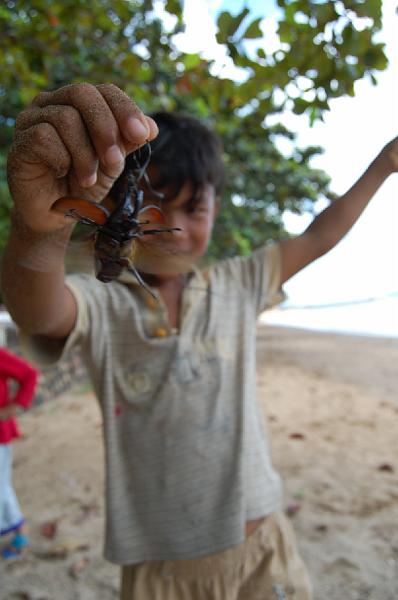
[(141, 170)]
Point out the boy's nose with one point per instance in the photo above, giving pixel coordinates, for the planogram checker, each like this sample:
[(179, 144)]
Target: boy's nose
[(176, 221)]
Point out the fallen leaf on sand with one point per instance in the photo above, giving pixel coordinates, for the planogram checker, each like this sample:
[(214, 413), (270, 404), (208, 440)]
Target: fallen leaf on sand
[(386, 467), (49, 529), (88, 510), (292, 508), (297, 436), (63, 549)]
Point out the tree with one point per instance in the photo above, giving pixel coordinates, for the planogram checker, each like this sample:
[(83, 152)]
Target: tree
[(325, 46)]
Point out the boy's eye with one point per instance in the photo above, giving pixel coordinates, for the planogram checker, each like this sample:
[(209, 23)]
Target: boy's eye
[(199, 208)]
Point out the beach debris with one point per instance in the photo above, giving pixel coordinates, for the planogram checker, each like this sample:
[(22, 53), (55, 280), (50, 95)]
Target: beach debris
[(299, 494), (87, 510), (49, 529), (296, 435), (322, 527), (386, 467), (63, 549), (78, 567), (292, 508)]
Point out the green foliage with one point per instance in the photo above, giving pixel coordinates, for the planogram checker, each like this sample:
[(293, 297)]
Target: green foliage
[(48, 43)]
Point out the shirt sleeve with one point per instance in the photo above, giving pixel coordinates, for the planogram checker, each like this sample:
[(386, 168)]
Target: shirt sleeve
[(258, 276), (44, 351), (23, 373)]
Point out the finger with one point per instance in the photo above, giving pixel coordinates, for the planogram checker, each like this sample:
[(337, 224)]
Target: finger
[(73, 133), (37, 150), (135, 127), (97, 117), (37, 158), (105, 118)]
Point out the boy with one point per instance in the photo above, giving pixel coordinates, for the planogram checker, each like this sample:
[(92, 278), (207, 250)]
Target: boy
[(193, 503)]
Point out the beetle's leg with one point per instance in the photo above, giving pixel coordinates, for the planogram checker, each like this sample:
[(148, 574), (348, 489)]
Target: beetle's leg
[(154, 207), (152, 231), (138, 277), (78, 217), (81, 209)]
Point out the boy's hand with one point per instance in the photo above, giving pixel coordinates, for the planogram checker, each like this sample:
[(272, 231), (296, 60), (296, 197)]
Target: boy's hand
[(389, 156), (71, 142)]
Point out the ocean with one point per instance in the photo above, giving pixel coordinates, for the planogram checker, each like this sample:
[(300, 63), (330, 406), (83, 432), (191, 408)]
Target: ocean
[(373, 317)]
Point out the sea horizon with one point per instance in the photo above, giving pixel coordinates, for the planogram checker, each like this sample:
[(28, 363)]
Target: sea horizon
[(375, 318)]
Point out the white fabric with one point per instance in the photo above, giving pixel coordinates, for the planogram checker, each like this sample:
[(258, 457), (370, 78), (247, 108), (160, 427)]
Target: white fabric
[(10, 513)]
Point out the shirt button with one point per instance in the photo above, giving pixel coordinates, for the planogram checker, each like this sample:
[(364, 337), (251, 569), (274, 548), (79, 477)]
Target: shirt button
[(151, 302), (161, 332)]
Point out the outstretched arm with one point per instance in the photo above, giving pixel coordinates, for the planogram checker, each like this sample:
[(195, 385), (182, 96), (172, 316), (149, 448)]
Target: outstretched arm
[(331, 225)]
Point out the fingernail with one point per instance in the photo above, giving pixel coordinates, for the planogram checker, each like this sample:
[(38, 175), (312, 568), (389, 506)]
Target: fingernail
[(135, 129), (113, 155), (89, 180)]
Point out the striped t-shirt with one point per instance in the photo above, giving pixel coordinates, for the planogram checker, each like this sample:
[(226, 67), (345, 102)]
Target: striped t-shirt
[(187, 459)]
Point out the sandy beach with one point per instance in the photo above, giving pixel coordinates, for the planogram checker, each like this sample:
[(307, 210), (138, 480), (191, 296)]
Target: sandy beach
[(331, 405)]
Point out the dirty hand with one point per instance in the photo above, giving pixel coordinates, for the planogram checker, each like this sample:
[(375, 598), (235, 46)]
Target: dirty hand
[(71, 142)]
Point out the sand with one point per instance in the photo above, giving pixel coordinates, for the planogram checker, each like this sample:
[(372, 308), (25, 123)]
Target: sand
[(332, 411)]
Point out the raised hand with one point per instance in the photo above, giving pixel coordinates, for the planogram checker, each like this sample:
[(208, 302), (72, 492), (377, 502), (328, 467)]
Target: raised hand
[(72, 142)]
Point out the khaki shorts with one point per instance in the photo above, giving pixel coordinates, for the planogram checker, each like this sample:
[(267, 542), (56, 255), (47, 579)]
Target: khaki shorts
[(266, 566)]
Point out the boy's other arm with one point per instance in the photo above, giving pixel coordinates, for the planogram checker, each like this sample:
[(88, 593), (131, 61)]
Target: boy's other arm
[(69, 142), (330, 226)]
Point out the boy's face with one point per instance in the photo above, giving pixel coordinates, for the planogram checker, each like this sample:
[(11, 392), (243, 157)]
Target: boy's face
[(194, 216)]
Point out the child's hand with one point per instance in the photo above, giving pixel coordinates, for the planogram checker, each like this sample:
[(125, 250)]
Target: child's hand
[(71, 142), (389, 156)]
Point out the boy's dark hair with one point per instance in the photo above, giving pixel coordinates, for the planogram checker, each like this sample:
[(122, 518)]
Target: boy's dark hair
[(184, 150)]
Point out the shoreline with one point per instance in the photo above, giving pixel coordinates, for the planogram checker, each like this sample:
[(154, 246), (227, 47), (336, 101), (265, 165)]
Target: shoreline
[(377, 318), (303, 328)]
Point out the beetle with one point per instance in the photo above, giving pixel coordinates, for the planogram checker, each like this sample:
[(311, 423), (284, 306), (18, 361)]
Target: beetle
[(116, 232)]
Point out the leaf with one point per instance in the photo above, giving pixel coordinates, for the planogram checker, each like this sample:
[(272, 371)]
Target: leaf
[(229, 24), (386, 467), (297, 436), (254, 31), (292, 508), (63, 549), (174, 7), (49, 529), (191, 61)]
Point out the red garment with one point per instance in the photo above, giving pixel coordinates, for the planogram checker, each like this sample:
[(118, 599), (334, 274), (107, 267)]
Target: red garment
[(13, 367)]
